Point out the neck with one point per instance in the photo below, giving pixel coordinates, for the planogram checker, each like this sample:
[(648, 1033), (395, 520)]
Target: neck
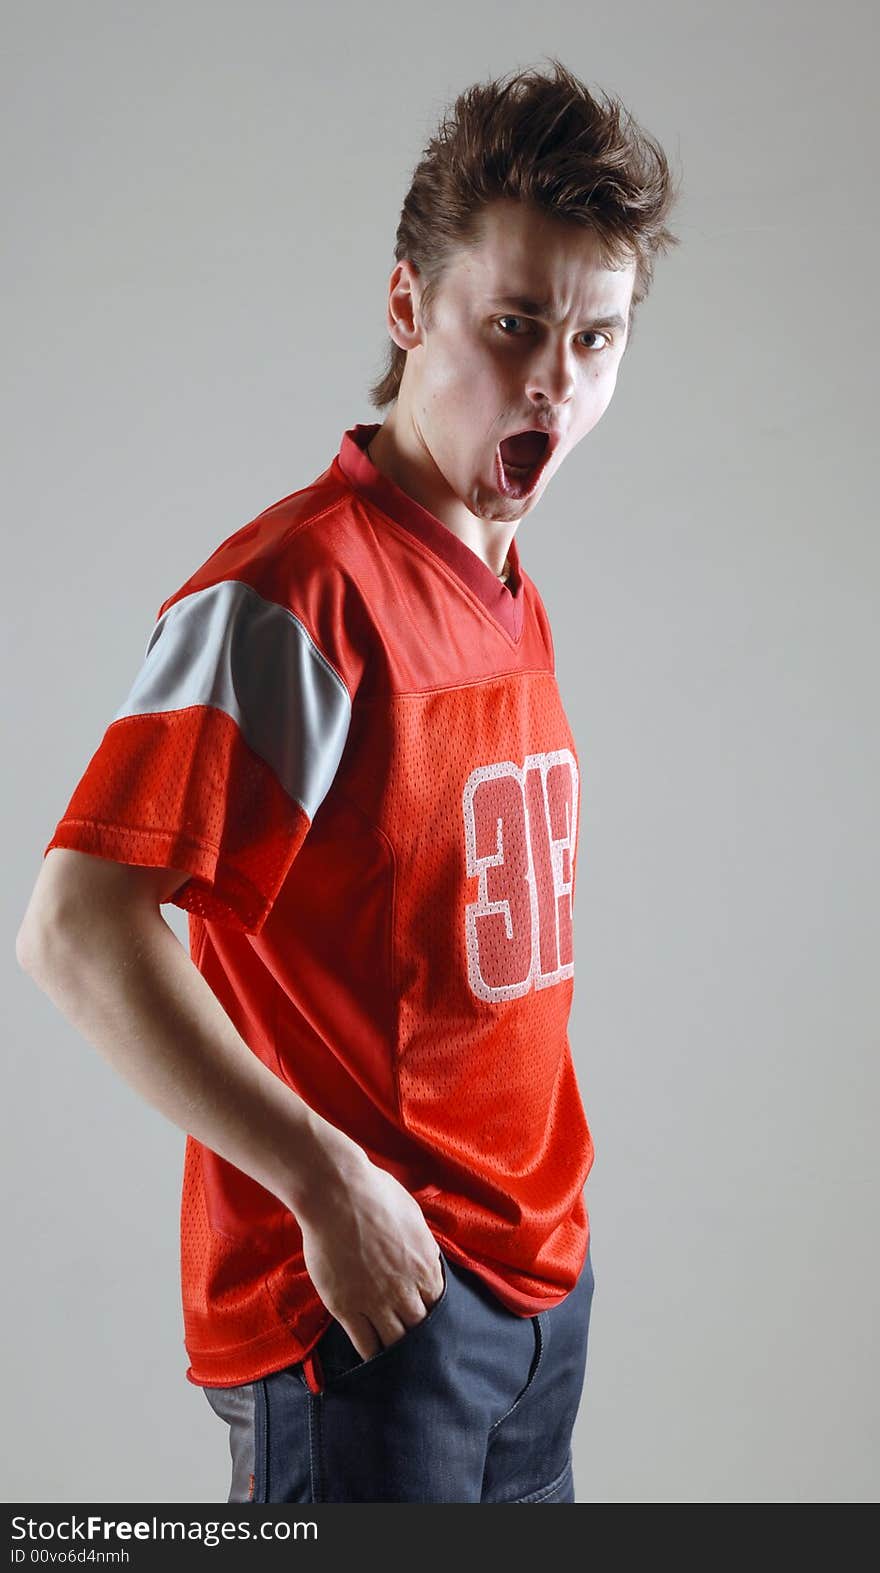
[(407, 463)]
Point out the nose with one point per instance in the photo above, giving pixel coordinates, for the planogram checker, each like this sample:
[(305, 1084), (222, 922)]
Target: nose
[(551, 375)]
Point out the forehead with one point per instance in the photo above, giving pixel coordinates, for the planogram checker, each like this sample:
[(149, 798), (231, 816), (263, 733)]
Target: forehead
[(521, 251)]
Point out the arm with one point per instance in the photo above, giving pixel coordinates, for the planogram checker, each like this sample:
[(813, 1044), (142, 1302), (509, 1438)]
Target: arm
[(95, 942)]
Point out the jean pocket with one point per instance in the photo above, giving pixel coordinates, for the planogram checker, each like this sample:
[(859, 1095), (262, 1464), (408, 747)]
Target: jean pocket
[(340, 1359), (540, 1329)]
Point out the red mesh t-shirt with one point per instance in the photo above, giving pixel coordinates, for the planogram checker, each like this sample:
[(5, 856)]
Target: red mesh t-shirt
[(348, 731)]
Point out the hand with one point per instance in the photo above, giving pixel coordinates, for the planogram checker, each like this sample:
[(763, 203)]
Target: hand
[(371, 1257)]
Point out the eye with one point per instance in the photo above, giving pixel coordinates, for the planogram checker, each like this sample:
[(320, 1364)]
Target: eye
[(594, 333), (591, 333)]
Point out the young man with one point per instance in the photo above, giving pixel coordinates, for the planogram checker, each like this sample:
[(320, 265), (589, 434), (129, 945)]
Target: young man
[(346, 757)]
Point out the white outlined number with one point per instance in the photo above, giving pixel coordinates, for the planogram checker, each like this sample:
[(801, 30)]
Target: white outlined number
[(520, 825)]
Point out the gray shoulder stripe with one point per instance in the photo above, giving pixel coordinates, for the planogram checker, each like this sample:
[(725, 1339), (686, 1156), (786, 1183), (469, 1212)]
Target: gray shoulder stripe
[(229, 647)]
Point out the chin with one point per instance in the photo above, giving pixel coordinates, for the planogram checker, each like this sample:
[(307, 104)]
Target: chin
[(488, 505)]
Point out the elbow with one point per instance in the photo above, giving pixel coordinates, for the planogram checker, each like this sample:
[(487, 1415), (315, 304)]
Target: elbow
[(47, 950), (32, 945), (44, 931), (53, 915), (23, 948)]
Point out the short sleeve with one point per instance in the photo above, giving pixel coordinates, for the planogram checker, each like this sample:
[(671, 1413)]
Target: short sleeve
[(219, 757)]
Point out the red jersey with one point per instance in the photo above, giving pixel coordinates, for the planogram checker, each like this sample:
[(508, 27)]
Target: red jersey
[(348, 731)]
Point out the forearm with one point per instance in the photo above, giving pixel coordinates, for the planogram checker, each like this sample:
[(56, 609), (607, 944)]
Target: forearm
[(125, 982)]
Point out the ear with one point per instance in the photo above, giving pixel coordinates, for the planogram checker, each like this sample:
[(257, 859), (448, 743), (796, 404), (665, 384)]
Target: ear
[(402, 320)]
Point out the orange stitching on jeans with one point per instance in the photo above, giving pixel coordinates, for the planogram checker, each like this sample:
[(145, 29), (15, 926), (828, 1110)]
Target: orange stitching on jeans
[(313, 1372)]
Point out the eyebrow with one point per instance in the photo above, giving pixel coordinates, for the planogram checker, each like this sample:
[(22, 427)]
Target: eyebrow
[(544, 308)]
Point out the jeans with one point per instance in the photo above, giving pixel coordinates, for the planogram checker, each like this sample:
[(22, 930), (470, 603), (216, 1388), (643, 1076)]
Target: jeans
[(472, 1404)]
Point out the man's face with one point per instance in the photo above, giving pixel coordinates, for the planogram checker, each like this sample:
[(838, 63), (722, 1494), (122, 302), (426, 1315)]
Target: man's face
[(490, 365)]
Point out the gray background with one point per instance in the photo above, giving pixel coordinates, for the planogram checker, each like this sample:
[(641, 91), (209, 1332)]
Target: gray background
[(201, 202)]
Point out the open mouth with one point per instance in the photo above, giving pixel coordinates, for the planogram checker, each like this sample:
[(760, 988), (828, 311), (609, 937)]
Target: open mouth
[(520, 460)]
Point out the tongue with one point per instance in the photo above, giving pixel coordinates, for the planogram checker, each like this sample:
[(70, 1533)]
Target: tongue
[(526, 448)]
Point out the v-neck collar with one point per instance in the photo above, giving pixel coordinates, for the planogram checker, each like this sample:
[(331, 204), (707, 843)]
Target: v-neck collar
[(504, 601)]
